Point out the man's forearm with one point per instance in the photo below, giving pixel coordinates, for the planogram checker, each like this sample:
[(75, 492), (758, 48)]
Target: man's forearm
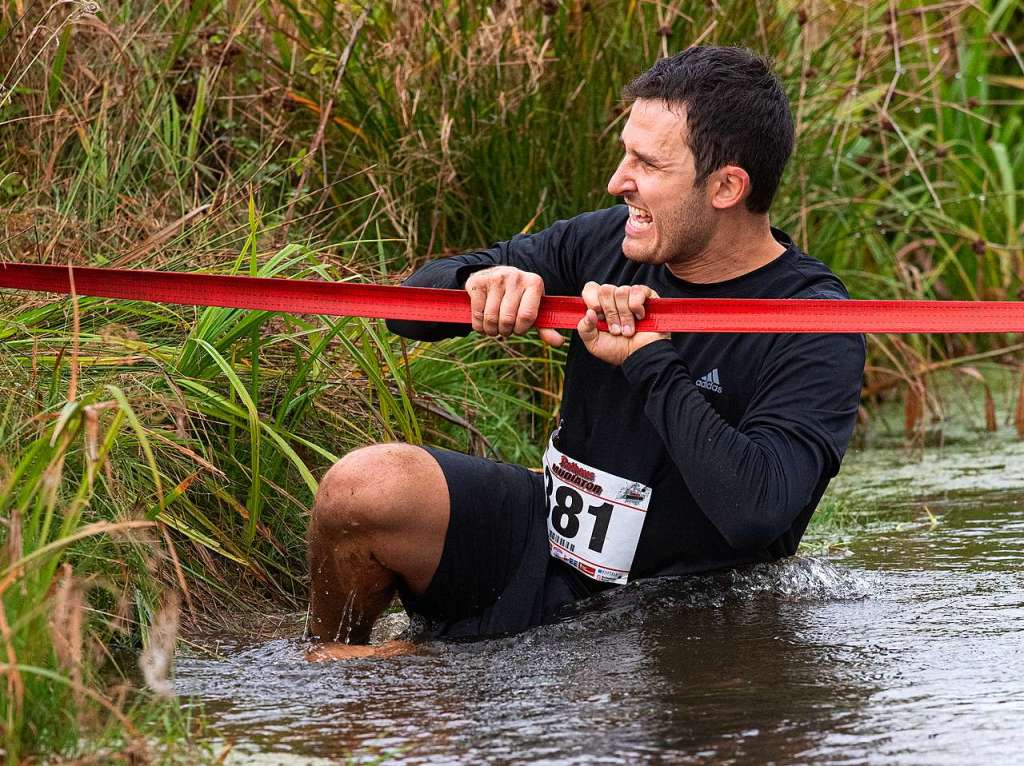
[(446, 273)]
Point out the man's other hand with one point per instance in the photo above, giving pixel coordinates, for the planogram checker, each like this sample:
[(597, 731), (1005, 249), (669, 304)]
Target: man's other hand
[(621, 306), (505, 301)]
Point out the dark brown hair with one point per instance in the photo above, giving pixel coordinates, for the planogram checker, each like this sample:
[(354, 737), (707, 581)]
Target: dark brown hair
[(736, 113)]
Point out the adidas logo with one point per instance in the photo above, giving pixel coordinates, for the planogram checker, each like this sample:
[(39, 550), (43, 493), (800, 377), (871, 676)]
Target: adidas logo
[(710, 382)]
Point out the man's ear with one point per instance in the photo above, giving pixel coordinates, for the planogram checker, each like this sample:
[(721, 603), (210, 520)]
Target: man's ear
[(731, 185)]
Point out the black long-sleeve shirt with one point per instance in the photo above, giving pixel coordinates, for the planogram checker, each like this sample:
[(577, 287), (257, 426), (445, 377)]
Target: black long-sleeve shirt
[(737, 434)]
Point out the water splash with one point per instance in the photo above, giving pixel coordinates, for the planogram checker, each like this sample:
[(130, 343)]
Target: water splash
[(799, 578)]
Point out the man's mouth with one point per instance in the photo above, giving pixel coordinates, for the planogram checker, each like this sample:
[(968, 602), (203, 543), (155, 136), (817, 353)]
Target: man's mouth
[(639, 219)]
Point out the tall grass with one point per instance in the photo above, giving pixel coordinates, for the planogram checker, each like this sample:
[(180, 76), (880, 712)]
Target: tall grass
[(162, 450), (81, 570)]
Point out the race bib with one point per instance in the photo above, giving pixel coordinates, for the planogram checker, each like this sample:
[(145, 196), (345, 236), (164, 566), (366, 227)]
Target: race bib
[(594, 517)]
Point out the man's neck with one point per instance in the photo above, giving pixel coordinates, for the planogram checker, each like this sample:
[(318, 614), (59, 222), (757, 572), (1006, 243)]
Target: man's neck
[(736, 248)]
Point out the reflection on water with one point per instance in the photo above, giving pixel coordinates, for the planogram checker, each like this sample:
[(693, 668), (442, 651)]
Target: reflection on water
[(910, 650)]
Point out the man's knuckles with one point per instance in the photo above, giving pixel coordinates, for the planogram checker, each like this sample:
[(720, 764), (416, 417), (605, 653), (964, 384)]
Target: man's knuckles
[(504, 300), (528, 315), (531, 280)]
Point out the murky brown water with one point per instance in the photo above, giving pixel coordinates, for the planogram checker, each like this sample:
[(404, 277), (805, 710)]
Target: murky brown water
[(905, 648)]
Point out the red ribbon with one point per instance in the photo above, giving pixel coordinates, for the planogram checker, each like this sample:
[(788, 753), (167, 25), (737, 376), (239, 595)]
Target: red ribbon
[(301, 296)]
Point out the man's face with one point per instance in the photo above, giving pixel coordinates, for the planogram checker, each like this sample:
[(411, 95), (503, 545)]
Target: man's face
[(670, 220)]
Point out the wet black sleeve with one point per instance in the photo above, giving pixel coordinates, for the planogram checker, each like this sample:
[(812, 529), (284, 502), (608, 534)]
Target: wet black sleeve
[(551, 253), (753, 480)]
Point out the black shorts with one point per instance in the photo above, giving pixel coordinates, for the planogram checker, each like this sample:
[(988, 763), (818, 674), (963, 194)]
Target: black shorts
[(495, 576)]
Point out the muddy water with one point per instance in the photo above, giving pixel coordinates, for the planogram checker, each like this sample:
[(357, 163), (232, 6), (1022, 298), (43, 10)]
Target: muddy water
[(903, 646)]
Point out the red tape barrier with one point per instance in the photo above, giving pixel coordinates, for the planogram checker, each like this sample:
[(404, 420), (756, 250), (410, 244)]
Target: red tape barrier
[(300, 296)]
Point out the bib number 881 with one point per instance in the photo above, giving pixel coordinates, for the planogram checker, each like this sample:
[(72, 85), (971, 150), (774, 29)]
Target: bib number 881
[(565, 511)]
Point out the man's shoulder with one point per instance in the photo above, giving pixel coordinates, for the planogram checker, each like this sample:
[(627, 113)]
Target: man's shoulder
[(819, 281), (809, 277)]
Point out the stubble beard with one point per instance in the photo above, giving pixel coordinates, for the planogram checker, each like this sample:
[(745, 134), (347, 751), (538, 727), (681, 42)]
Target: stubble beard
[(682, 236)]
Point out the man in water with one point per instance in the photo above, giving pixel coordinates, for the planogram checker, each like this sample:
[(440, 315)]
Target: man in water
[(674, 454)]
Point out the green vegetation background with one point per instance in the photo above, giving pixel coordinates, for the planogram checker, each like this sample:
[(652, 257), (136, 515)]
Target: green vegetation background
[(159, 461)]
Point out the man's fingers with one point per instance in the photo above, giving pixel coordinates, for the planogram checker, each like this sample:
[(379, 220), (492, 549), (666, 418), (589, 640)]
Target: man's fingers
[(609, 308), (529, 305), (550, 336), (587, 327), (621, 306), (477, 301), (492, 306), (592, 298), (508, 310), (504, 300), (624, 310), (636, 300)]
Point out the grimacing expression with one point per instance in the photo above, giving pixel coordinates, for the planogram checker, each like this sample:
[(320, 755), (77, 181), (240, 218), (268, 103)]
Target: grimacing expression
[(670, 220)]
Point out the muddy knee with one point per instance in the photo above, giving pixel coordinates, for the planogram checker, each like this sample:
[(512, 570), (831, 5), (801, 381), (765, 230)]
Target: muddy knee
[(379, 487), (389, 500)]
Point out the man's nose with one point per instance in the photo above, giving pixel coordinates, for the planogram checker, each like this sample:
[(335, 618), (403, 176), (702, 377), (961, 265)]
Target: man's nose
[(621, 182)]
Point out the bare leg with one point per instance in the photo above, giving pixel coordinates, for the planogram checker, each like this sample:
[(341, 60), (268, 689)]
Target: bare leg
[(349, 588), (380, 516)]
